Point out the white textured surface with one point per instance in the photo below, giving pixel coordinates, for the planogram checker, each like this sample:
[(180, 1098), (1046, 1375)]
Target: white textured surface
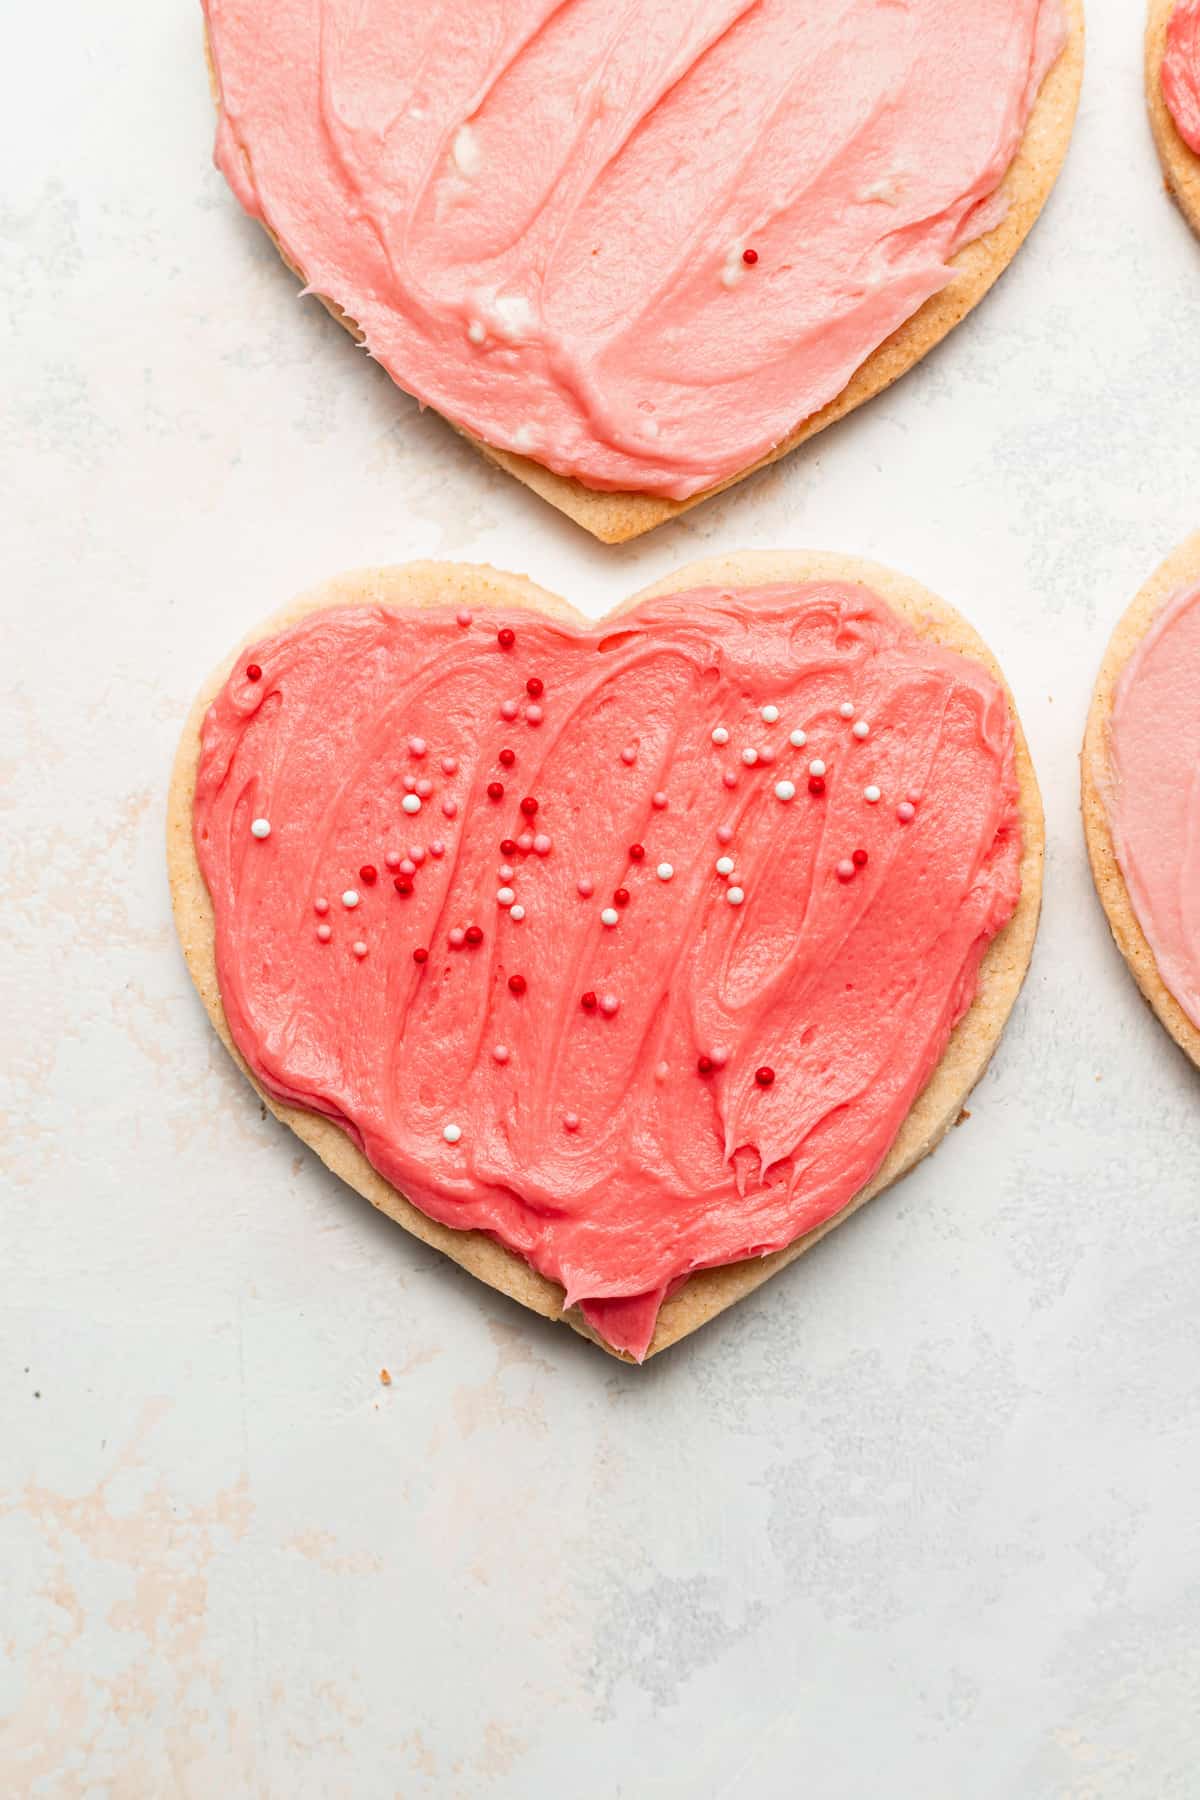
[(919, 1519)]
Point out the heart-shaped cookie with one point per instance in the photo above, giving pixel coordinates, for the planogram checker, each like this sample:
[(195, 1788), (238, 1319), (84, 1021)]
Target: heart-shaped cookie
[(645, 950), (1173, 98), (1141, 792), (635, 253)]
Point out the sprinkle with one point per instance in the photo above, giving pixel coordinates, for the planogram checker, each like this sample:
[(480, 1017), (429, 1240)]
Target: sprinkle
[(516, 985), (729, 778), (253, 672), (509, 709), (816, 784), (620, 896), (411, 803), (735, 895), (535, 687), (393, 859), (785, 790), (816, 766), (610, 916), (424, 788), (437, 848), (533, 715), (859, 859), (914, 794), (570, 1121), (449, 807), (769, 715), (495, 790), (609, 1005), (508, 846), (872, 795), (420, 954), (403, 886), (749, 257), (542, 844), (525, 842), (720, 735), (719, 1057), (476, 331), (449, 765), (629, 754), (417, 746), (505, 897), (529, 806), (906, 811), (588, 1001), (359, 948), (452, 1133), (260, 828), (845, 870), (665, 871), (324, 932), (797, 739), (368, 874), (861, 729), (636, 852), (749, 757), (724, 834), (506, 637), (659, 801), (846, 709), (505, 872), (585, 887), (724, 865), (407, 867), (705, 1065), (463, 617), (410, 784), (474, 935), (416, 854), (661, 1071), (500, 1052), (507, 757), (766, 754), (516, 914), (350, 897), (764, 1076), (321, 906), (457, 937)]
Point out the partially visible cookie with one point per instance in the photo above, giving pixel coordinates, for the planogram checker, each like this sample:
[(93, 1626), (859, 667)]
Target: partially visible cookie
[(1136, 807), (1181, 164)]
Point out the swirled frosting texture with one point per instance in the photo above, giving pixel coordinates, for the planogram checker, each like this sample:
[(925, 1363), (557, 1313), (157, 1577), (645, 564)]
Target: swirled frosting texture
[(536, 210), (1181, 71), (596, 1148), (1153, 801)]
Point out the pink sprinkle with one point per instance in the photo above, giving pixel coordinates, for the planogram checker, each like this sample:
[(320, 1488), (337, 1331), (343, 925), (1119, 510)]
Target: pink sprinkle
[(541, 844), (629, 754), (508, 709), (845, 870), (408, 867), (586, 887), (659, 800), (359, 948), (436, 848), (449, 765), (463, 617), (609, 1004), (458, 937), (416, 854), (424, 788), (914, 795), (417, 746), (766, 754), (324, 932), (321, 906), (525, 842), (906, 811), (718, 1057), (505, 872), (724, 834), (729, 778), (534, 715), (392, 859), (450, 808), (410, 784), (570, 1121)]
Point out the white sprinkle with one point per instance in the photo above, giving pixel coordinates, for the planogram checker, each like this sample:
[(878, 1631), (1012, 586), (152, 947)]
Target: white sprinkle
[(749, 757), (816, 767), (724, 865), (408, 867), (542, 844), (465, 151), (476, 331), (905, 811), (417, 746), (508, 709), (610, 916), (500, 1052), (359, 948), (785, 790), (505, 897), (718, 1057), (505, 872), (720, 735), (411, 803), (770, 715), (457, 936), (516, 914), (525, 842), (845, 870), (392, 859), (735, 895), (872, 795), (261, 828), (861, 729), (534, 715), (665, 871), (585, 887), (350, 897), (847, 709), (324, 932), (452, 1133), (797, 739), (609, 1004)]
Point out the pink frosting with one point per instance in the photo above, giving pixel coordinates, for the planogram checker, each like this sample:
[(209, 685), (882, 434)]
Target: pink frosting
[(538, 212), (1154, 798), (1181, 71), (591, 1139)]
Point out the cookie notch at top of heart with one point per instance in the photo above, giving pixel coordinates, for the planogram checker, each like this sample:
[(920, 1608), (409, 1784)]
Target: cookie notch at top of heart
[(283, 840), (623, 320)]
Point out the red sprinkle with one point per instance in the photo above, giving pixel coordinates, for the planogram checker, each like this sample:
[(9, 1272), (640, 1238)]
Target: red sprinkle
[(420, 955), (621, 897), (749, 257), (588, 1001), (253, 672), (636, 852), (509, 846), (859, 859), (368, 874), (535, 687), (516, 984), (705, 1065), (816, 784), (474, 934), (506, 637), (529, 806), (402, 885), (508, 757), (495, 790), (764, 1076)]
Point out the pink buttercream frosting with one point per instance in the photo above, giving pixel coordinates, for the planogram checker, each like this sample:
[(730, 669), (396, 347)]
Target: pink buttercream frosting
[(1181, 71), (689, 904), (539, 213), (1153, 801)]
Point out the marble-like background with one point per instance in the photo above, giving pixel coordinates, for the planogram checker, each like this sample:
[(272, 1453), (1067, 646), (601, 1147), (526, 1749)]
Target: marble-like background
[(919, 1519)]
